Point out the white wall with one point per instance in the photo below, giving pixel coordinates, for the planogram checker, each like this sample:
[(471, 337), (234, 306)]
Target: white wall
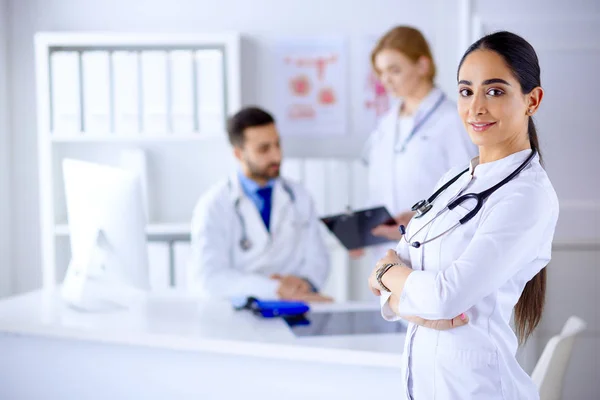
[(261, 21), (5, 165)]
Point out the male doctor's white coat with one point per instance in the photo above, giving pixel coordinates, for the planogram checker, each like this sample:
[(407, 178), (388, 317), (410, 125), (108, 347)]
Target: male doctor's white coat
[(479, 268), (219, 267)]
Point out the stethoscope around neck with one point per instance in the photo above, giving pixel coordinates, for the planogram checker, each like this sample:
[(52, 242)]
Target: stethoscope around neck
[(245, 242), (422, 207), (421, 122)]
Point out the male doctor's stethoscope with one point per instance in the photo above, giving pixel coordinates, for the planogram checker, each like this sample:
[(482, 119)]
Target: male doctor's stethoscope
[(245, 242), (422, 207)]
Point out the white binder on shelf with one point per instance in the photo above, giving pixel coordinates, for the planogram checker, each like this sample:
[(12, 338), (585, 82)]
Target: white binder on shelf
[(181, 91), (96, 92), (210, 92), (65, 94), (125, 73), (154, 92)]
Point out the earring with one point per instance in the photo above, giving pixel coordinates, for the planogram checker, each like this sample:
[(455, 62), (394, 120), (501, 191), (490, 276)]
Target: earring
[(530, 111)]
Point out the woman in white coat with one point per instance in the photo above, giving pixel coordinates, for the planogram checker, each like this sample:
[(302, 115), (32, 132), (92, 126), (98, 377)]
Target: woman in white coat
[(478, 263), (419, 139)]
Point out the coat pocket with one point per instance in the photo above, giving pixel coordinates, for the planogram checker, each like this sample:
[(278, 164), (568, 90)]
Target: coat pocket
[(467, 374)]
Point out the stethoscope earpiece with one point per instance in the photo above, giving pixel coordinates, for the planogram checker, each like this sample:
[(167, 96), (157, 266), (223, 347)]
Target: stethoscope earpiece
[(402, 230)]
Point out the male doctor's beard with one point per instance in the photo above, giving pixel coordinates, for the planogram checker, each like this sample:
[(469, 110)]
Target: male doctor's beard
[(267, 173)]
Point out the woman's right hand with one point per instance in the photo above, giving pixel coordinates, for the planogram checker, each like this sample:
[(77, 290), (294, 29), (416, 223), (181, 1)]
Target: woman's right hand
[(439, 324)]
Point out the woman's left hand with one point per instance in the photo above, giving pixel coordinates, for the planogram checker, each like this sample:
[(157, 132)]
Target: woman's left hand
[(390, 231), (390, 258)]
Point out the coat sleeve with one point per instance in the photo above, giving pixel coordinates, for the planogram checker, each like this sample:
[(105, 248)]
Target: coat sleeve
[(403, 251), (510, 237), (211, 269)]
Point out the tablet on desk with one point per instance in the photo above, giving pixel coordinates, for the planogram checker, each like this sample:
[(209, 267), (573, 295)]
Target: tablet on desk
[(353, 229), (336, 323)]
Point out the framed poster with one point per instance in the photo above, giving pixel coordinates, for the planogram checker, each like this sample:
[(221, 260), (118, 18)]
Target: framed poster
[(311, 87)]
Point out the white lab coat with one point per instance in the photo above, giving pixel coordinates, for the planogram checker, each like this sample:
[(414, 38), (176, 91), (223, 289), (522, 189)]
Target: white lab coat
[(397, 179), (218, 265), (479, 268)]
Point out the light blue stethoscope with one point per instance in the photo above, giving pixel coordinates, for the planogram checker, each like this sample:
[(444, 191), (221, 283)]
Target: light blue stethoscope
[(245, 242), (421, 122), (422, 207)]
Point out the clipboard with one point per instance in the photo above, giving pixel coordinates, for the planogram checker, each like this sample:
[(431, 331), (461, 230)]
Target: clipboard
[(353, 228)]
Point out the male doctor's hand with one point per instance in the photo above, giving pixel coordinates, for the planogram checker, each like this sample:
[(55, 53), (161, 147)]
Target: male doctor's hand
[(390, 231), (295, 288), (290, 285)]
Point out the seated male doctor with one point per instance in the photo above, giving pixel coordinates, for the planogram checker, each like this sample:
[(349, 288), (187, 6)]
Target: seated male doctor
[(256, 233)]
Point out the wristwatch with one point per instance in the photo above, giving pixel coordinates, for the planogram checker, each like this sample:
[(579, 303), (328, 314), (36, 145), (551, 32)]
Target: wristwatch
[(381, 271)]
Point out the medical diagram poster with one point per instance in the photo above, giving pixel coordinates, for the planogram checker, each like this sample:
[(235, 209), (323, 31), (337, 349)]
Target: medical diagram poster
[(311, 92), (373, 101)]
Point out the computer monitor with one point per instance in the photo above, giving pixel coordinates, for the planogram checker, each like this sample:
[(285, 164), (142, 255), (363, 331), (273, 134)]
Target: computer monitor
[(107, 224)]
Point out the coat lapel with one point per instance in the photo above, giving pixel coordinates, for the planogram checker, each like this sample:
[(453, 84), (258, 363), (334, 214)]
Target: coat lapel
[(281, 205), (255, 227)]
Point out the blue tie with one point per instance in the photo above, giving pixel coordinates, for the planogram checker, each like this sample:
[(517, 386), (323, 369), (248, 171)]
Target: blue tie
[(265, 210)]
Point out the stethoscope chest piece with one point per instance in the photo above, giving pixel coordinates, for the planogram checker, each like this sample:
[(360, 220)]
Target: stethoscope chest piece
[(421, 208)]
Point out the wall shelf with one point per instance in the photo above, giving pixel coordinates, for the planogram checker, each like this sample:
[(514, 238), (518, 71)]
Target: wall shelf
[(200, 74)]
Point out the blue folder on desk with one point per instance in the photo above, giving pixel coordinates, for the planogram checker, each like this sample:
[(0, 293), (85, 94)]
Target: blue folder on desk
[(271, 308), (353, 229)]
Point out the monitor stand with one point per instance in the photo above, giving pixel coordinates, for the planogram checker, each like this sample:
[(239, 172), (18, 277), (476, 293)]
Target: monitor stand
[(89, 284)]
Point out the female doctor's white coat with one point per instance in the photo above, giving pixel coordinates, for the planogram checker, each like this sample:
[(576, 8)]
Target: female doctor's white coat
[(402, 169), (479, 268), (218, 265)]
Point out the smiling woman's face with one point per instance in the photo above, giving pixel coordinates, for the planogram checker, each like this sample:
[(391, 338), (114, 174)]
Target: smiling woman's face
[(491, 103)]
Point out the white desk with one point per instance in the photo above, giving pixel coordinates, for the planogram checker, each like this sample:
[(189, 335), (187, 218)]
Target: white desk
[(177, 348)]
